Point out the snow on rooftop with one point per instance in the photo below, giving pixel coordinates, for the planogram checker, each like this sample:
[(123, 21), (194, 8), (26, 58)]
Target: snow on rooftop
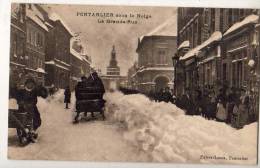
[(249, 19), (157, 69), (36, 16), (75, 53), (55, 17), (216, 36), (184, 44), (168, 28)]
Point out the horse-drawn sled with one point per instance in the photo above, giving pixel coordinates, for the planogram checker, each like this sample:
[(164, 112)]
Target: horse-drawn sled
[(89, 99)]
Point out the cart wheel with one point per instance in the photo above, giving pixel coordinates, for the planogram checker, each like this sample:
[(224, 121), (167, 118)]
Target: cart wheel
[(24, 141)]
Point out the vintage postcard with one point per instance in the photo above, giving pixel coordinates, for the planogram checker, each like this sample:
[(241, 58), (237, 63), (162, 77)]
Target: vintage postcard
[(134, 84)]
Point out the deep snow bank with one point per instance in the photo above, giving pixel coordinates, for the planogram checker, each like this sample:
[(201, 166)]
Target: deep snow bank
[(167, 135)]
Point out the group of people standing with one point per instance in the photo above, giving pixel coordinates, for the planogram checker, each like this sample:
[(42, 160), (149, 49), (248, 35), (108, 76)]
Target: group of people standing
[(234, 106)]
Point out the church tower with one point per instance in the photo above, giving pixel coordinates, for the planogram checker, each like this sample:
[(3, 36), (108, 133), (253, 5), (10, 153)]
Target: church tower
[(113, 69)]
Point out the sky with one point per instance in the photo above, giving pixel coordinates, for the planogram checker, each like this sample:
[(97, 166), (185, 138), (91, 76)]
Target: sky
[(98, 38)]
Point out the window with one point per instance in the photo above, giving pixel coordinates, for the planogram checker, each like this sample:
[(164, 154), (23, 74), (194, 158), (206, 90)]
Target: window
[(31, 37), (225, 72), (28, 35), (206, 15), (235, 15), (229, 17), (240, 73), (241, 14), (161, 59), (39, 40), (15, 43), (212, 17)]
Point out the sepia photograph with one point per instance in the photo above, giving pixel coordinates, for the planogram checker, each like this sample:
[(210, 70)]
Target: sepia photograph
[(150, 84)]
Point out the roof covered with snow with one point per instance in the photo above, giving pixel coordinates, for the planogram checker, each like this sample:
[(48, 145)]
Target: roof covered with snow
[(184, 44), (249, 19), (216, 36), (55, 17), (168, 28), (73, 51), (75, 54), (35, 15)]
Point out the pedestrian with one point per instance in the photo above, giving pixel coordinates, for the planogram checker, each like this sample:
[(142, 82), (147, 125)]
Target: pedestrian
[(235, 116), (252, 107), (221, 114), (231, 98), (166, 95), (205, 103), (160, 95), (27, 101), (243, 108), (211, 108), (198, 102), (186, 102), (67, 96)]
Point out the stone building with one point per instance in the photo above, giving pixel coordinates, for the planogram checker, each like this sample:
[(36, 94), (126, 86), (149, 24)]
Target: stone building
[(219, 48), (57, 62), (154, 69), (17, 42), (154, 62), (36, 32)]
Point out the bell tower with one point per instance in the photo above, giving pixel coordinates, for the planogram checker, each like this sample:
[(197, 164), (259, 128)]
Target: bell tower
[(113, 68)]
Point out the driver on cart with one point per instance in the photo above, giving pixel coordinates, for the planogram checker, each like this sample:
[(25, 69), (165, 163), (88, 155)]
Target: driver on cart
[(92, 81)]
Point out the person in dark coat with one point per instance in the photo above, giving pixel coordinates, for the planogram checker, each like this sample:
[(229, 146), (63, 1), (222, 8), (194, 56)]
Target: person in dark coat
[(94, 80), (212, 106), (187, 103), (205, 103), (166, 95), (231, 99), (197, 102), (159, 95), (27, 101), (67, 96)]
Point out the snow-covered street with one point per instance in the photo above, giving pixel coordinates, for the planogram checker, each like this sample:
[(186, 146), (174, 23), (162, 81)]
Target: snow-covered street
[(59, 139), (136, 129)]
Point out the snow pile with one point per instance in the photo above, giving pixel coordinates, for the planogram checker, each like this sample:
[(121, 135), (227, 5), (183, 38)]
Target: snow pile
[(167, 135)]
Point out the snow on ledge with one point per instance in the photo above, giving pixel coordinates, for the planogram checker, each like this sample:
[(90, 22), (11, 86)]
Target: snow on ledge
[(216, 36), (184, 44), (76, 54), (247, 20), (40, 70)]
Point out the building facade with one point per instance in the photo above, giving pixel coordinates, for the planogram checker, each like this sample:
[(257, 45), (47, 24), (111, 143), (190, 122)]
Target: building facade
[(221, 44), (58, 54), (155, 70), (36, 32), (18, 42)]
